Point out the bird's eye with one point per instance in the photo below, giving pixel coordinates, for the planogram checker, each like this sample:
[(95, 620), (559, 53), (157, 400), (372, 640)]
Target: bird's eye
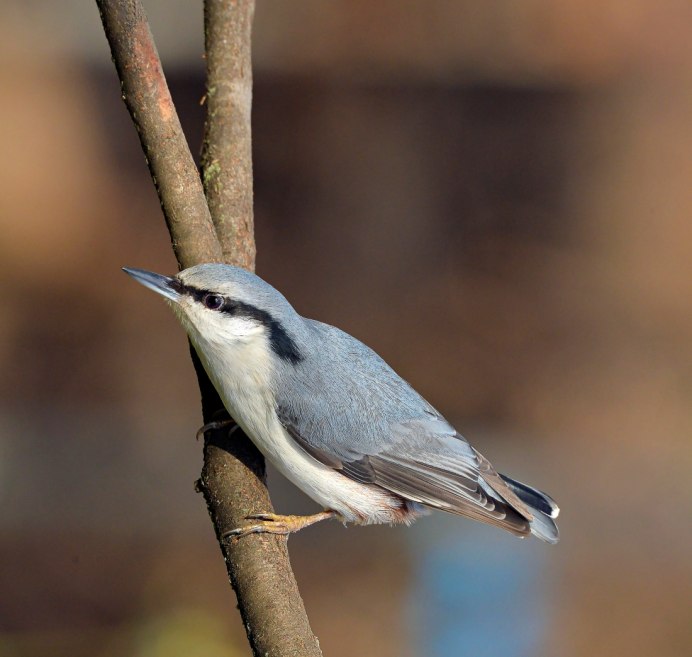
[(213, 301)]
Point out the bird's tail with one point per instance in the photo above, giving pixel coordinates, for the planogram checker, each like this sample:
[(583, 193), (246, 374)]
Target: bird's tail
[(543, 509)]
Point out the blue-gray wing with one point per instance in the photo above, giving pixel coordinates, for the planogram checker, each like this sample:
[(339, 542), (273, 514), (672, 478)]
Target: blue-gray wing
[(352, 412)]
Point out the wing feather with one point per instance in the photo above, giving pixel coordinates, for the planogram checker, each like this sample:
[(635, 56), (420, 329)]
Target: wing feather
[(428, 462)]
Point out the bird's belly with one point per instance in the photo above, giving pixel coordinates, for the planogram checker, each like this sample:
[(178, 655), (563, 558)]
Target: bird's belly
[(354, 501)]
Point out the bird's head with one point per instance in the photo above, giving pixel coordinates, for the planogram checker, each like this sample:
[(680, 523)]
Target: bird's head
[(225, 306)]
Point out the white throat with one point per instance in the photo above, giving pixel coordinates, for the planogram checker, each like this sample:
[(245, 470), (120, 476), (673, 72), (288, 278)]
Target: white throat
[(240, 369)]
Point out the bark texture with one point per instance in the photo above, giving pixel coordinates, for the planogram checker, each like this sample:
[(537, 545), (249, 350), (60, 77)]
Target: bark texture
[(227, 149), (233, 474), (149, 102)]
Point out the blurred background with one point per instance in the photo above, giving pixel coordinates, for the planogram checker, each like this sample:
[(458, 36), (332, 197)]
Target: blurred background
[(496, 196)]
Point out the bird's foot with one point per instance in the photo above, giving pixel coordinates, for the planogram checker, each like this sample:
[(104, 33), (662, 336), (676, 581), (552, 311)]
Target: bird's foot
[(273, 523), (218, 424)]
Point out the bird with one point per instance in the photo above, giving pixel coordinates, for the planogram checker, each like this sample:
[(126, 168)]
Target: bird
[(333, 417)]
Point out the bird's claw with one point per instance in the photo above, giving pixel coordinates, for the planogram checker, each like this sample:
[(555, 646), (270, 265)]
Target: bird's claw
[(273, 523), (264, 516), (218, 424)]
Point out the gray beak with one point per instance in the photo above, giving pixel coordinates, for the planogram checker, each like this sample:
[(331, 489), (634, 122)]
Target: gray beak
[(163, 285)]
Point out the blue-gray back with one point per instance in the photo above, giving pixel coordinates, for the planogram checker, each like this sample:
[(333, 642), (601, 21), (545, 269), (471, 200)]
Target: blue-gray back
[(346, 399)]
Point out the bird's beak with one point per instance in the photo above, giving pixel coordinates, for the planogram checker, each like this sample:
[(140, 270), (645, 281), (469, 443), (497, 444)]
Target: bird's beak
[(163, 285)]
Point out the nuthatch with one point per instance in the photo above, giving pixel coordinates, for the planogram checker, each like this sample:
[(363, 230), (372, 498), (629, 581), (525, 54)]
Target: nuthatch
[(333, 417)]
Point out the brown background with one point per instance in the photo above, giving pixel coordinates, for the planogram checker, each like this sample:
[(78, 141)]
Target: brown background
[(493, 195)]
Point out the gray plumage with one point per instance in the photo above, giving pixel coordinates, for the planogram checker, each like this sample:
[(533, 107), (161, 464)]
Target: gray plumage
[(379, 430), (346, 408)]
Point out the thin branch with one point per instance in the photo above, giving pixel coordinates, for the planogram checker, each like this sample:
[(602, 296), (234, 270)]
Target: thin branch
[(232, 478), (227, 148), (149, 102), (259, 569)]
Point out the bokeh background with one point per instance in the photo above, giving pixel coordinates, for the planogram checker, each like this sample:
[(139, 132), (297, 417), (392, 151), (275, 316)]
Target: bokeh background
[(496, 196)]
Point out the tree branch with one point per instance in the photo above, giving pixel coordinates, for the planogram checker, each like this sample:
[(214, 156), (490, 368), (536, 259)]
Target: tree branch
[(227, 148), (232, 478), (149, 102)]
